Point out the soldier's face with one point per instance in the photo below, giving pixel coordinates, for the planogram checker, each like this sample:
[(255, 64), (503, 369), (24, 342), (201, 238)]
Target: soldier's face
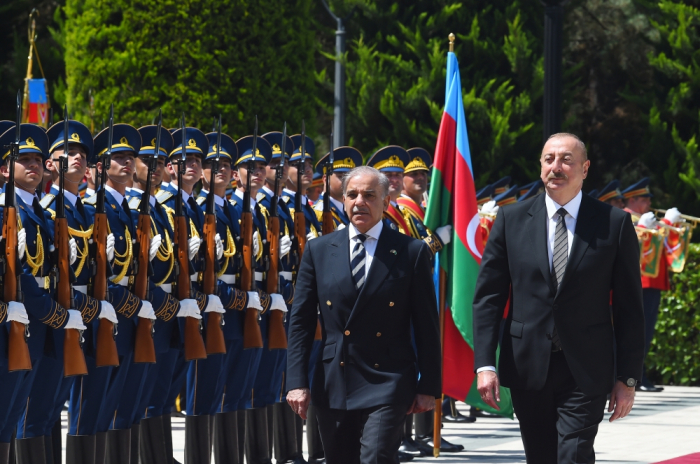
[(639, 205), (271, 172), (365, 202), (77, 162), (121, 167), (563, 167), (141, 174), (415, 182), (223, 175), (395, 183), (617, 203), (307, 175), (336, 184), (257, 176), (29, 171)]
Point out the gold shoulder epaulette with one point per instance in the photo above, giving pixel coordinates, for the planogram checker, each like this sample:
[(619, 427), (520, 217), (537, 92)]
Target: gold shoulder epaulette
[(260, 197), (286, 198), (47, 200), (2, 199), (319, 206), (163, 195), (201, 200), (92, 200), (233, 201), (134, 203)]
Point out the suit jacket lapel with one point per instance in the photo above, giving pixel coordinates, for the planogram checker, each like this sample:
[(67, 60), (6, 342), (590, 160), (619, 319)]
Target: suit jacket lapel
[(339, 249), (585, 227), (538, 220), (381, 265)]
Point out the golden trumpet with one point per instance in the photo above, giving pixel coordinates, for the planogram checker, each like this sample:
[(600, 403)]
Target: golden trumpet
[(694, 220), (487, 215)]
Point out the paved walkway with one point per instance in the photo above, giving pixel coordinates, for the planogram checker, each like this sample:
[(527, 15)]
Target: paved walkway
[(661, 426)]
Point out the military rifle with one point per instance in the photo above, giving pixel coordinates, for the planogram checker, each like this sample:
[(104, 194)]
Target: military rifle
[(252, 336), (194, 344), (277, 336), (215, 343), (73, 357), (328, 225), (18, 358), (106, 349)]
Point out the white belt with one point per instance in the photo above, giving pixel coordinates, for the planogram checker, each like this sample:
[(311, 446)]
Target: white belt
[(80, 288), (167, 288), (41, 282), (193, 277), (259, 276), (124, 282), (228, 278), (287, 275)]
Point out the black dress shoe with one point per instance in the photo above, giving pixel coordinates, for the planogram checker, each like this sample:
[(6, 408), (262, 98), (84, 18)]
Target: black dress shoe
[(476, 412), (317, 461), (459, 418), (410, 446), (649, 388), (445, 446), (404, 457)]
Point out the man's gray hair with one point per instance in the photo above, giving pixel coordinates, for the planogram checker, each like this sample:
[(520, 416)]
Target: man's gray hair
[(367, 171), (579, 142)]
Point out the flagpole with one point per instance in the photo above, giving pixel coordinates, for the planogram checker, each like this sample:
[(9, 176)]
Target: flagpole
[(437, 414)]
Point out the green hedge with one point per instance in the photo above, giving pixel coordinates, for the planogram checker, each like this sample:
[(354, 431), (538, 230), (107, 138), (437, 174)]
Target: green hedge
[(674, 357)]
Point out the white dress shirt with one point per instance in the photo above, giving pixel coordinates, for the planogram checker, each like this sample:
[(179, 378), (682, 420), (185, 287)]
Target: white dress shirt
[(117, 196), (370, 242), (239, 194), (27, 197), (89, 192), (572, 208), (338, 204)]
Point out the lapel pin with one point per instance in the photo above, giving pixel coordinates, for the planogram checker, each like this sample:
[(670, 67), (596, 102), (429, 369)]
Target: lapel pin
[(393, 252)]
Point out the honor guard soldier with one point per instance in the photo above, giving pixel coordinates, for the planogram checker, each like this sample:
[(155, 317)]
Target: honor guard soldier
[(611, 194), (500, 186), (287, 427), (484, 195), (88, 392), (313, 230), (250, 173), (391, 162), (46, 319), (344, 159), (533, 189), (118, 164), (314, 191), (415, 184), (508, 197)]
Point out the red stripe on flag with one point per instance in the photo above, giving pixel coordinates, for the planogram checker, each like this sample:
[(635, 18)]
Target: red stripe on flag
[(446, 150), (688, 459), (457, 362)]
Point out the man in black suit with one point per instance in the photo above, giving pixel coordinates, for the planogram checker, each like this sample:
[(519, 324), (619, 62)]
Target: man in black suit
[(564, 347), (374, 288)]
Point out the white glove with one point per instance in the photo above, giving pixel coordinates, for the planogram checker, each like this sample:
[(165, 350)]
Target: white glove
[(214, 305), (445, 234), (75, 320), (16, 312), (341, 226), (254, 301), (21, 243), (107, 312), (256, 244), (73, 251), (110, 247), (277, 302), (673, 215), (146, 310), (189, 308), (193, 245), (155, 244), (490, 207), (647, 220), (310, 236), (285, 246), (219, 246)]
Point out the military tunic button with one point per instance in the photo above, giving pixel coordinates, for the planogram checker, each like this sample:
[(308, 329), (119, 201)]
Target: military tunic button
[(342, 364), (121, 238), (347, 332), (391, 303), (379, 334), (376, 366), (328, 302)]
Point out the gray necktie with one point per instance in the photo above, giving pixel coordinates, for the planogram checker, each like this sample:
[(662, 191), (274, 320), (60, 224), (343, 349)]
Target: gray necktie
[(357, 261), (560, 256)]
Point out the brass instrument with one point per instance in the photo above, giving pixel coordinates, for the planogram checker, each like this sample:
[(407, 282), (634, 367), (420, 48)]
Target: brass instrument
[(691, 220)]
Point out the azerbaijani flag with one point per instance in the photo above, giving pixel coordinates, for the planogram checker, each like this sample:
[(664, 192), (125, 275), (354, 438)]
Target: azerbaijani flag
[(452, 200), (38, 104)]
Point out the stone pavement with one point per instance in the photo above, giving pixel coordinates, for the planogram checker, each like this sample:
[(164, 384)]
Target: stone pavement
[(661, 426)]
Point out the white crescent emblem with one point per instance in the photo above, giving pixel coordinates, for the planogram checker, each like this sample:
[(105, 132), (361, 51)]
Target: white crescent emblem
[(472, 229)]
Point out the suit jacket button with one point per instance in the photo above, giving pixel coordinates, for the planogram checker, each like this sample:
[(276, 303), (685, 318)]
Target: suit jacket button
[(379, 334), (328, 302), (376, 366), (391, 303), (347, 332), (342, 364)]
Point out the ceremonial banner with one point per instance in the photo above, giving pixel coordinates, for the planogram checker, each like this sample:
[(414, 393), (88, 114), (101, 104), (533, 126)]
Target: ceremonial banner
[(452, 200), (651, 246), (38, 104), (677, 248)]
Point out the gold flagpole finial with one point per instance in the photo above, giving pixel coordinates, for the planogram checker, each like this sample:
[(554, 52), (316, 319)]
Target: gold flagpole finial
[(452, 42)]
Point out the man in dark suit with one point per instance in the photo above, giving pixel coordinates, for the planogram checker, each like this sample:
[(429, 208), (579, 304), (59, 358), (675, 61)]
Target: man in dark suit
[(564, 347), (374, 288)]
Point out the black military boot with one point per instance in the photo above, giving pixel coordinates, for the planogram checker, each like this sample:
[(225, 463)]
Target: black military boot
[(197, 440), (313, 438), (80, 449), (135, 444), (152, 441), (30, 450), (226, 444), (57, 443), (100, 447), (5, 453), (257, 449), (118, 449), (168, 434)]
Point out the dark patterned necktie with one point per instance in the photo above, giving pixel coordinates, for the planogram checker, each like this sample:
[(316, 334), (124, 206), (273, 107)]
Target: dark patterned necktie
[(560, 256), (357, 261)]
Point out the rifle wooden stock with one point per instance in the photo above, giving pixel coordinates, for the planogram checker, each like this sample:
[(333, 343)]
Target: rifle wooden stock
[(252, 336), (194, 344), (106, 349), (17, 350), (277, 336), (215, 343), (328, 224), (144, 349), (73, 357)]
